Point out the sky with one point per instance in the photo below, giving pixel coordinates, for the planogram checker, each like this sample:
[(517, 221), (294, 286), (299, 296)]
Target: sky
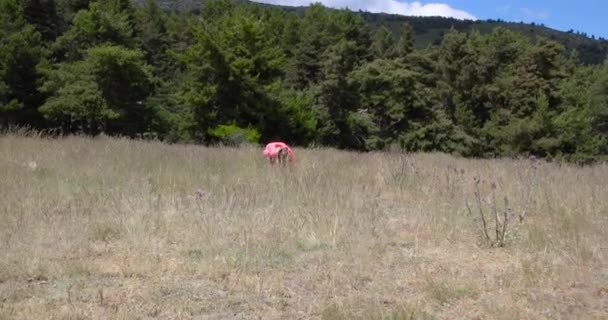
[(581, 15)]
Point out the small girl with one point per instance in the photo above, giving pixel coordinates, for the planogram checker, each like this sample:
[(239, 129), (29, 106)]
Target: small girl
[(279, 151)]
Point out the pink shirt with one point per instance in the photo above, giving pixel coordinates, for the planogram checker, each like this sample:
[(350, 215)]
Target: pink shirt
[(272, 151)]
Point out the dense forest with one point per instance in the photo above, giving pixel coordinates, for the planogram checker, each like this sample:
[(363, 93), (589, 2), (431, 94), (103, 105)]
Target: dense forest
[(234, 72)]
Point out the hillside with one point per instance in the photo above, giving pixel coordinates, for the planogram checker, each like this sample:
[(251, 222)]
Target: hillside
[(430, 30)]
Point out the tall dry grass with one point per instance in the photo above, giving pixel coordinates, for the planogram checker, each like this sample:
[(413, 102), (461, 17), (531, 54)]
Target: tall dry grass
[(120, 229)]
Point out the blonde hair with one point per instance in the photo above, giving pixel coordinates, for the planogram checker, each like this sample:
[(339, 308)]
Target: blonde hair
[(282, 156)]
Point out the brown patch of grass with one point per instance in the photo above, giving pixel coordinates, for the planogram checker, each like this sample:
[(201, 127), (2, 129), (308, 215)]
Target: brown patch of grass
[(113, 228), (365, 310), (446, 291)]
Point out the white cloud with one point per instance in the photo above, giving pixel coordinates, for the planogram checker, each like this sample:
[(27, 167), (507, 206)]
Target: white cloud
[(388, 6), (535, 15), (505, 9)]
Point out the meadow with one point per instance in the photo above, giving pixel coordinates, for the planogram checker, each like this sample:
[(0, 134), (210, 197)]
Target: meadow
[(108, 228)]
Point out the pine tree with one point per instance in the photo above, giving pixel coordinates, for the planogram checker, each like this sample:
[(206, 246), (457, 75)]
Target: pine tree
[(317, 33), (100, 24), (383, 43), (337, 96), (387, 94), (43, 15), (106, 91), (405, 45), (20, 52), (152, 36)]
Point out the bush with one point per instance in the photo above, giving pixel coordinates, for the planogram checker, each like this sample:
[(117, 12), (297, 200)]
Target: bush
[(234, 135)]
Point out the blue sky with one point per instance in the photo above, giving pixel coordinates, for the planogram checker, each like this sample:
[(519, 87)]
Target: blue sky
[(582, 15)]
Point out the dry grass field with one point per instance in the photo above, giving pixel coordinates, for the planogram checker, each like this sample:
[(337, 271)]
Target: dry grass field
[(109, 228)]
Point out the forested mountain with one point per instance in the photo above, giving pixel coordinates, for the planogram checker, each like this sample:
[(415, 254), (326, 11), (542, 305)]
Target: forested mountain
[(230, 72), (430, 30)]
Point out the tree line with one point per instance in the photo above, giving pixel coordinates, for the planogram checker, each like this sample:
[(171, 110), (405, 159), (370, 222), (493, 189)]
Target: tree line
[(233, 73)]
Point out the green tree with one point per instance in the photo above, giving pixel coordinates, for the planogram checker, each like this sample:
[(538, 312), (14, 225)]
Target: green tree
[(337, 96), (437, 133), (530, 135), (153, 34), (526, 99), (405, 45), (20, 52), (316, 34), (582, 124), (455, 64), (43, 15), (383, 43), (226, 70), (76, 102), (106, 91), (290, 116), (387, 101), (68, 8), (498, 52), (290, 37), (352, 27), (458, 86), (100, 24), (599, 106), (537, 72)]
